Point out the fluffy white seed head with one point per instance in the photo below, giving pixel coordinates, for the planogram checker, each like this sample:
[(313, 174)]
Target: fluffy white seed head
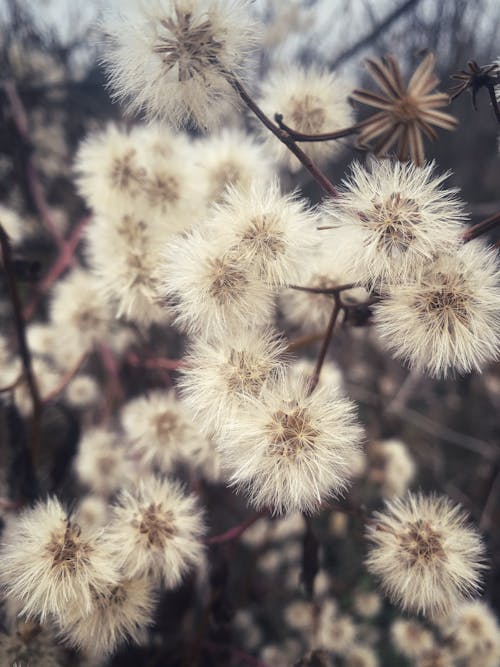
[(473, 631), (361, 656), (290, 450), (210, 288), (159, 429), (367, 603), (311, 100), (427, 558), (118, 615), (397, 218), (274, 233), (231, 158), (391, 467), (49, 562), (172, 58), (219, 376), (331, 268), (13, 224), (82, 392), (411, 638), (101, 462), (156, 531), (79, 314), (448, 319), (336, 633)]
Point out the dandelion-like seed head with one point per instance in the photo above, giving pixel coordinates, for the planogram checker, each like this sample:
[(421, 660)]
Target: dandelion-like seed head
[(188, 44), (218, 377), (174, 59), (156, 531), (49, 562), (447, 319), (290, 450), (426, 556), (395, 218)]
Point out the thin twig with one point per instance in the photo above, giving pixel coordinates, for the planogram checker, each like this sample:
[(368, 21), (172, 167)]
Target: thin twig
[(24, 350), (34, 183), (236, 531), (337, 306), (285, 138), (324, 290), (481, 227), (155, 362), (310, 138), (66, 379), (304, 341), (63, 260)]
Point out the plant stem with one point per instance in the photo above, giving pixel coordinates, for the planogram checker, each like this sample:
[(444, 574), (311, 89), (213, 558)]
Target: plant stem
[(337, 306), (22, 341), (310, 138), (235, 532), (285, 138), (482, 227)]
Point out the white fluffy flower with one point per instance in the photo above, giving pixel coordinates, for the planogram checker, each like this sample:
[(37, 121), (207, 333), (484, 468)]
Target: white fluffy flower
[(229, 158), (449, 318), (172, 58), (311, 100), (331, 268), (273, 232), (391, 466), (156, 531), (159, 430), (474, 632), (79, 314), (291, 450), (396, 217), (212, 291), (48, 562), (118, 615), (411, 638), (219, 376), (426, 556), (101, 463)]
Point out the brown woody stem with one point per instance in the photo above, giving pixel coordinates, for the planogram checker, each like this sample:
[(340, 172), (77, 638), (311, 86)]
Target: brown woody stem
[(337, 307), (482, 227), (285, 138), (310, 138), (22, 341)]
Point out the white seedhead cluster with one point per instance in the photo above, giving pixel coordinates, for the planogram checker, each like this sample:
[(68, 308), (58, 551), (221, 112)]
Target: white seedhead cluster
[(204, 244)]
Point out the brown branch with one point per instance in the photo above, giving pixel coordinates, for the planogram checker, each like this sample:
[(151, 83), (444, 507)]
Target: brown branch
[(65, 380), (303, 341), (20, 119), (285, 138), (310, 138), (63, 260), (481, 228), (236, 531), (337, 307), (324, 290), (22, 341), (161, 363)]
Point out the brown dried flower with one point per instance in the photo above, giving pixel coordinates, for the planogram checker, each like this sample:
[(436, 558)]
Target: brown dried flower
[(405, 113)]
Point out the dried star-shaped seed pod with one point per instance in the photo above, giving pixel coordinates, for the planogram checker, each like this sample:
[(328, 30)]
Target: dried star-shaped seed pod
[(476, 77), (405, 113)]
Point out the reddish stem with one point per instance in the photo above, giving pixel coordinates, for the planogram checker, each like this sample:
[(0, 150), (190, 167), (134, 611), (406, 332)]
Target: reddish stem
[(337, 307), (482, 227), (161, 363), (285, 138), (310, 138), (34, 183), (63, 260), (65, 380), (236, 531)]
